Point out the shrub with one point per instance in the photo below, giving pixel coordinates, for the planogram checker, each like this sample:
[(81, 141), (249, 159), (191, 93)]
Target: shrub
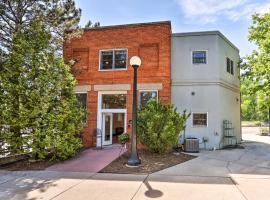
[(264, 131), (123, 138), (159, 126)]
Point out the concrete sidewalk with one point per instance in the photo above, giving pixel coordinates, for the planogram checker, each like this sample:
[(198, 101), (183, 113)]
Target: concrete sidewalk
[(238, 174)]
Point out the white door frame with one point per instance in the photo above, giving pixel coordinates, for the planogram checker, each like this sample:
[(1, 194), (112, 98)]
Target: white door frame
[(108, 142), (100, 112)]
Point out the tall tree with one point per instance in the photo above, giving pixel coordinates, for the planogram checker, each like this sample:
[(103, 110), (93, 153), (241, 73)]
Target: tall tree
[(89, 24), (257, 68), (38, 107), (16, 15)]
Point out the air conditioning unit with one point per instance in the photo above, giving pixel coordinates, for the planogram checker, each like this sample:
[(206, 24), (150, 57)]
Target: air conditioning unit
[(192, 145)]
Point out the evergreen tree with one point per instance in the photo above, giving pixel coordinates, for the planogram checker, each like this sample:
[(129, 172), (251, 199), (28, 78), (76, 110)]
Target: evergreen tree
[(17, 15), (89, 24), (38, 107)]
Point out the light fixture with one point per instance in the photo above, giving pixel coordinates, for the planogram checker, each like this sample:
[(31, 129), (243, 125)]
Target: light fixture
[(135, 61), (134, 160)]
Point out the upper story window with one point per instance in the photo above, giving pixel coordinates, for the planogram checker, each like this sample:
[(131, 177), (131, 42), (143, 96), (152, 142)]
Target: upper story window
[(146, 96), (230, 66), (113, 59), (199, 119), (199, 57)]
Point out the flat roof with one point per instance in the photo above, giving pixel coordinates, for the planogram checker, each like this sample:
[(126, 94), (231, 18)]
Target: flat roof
[(202, 33), (125, 25)]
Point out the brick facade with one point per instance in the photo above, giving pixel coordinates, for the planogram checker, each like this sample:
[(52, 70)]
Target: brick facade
[(150, 41)]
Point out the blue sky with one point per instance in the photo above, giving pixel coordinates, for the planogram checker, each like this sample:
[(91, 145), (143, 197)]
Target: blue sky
[(231, 17)]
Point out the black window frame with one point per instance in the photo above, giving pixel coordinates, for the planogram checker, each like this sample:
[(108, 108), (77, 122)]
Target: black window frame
[(194, 62), (113, 67), (229, 66)]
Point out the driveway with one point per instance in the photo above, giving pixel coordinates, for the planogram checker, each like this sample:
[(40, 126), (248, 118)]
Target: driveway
[(237, 174)]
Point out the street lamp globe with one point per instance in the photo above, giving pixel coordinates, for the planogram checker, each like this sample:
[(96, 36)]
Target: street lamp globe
[(135, 61)]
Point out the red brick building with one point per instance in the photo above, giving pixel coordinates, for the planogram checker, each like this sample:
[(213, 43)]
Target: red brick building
[(105, 78)]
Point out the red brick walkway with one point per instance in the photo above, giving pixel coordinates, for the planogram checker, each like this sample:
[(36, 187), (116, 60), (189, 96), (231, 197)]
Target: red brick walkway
[(90, 160)]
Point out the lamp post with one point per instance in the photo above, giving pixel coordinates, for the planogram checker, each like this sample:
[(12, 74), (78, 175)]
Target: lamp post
[(133, 160)]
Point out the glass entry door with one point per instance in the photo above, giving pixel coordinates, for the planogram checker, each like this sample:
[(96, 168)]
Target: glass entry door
[(107, 124)]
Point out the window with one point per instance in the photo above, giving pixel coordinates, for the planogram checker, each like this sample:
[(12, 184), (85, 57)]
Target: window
[(113, 59), (230, 66), (114, 101), (82, 99), (199, 57), (146, 96), (199, 119)]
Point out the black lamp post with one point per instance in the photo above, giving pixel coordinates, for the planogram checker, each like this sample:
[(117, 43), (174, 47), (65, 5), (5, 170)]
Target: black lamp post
[(134, 160)]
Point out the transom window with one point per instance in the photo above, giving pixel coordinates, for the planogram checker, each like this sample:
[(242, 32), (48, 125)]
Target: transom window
[(114, 101), (146, 96), (199, 119), (199, 57), (230, 66), (113, 59)]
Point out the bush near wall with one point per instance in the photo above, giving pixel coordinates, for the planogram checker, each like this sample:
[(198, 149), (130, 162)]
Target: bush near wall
[(159, 126)]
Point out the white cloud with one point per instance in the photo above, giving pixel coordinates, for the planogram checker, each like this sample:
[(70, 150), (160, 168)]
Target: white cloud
[(209, 11)]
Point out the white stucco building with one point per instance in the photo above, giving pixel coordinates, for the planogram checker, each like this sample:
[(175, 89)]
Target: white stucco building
[(205, 82)]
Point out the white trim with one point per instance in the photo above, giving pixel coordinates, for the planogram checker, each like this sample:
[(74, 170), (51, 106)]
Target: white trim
[(199, 126), (103, 127), (82, 88), (198, 64), (81, 92), (113, 67), (112, 87), (100, 111)]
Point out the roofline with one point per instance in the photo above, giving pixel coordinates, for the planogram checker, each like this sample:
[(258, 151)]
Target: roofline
[(125, 25), (201, 33)]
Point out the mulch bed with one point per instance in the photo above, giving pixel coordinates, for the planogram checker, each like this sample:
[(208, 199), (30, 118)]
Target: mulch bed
[(150, 162), (26, 165)]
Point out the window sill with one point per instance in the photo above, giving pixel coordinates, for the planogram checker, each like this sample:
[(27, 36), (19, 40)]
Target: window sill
[(199, 126), (196, 64), (109, 70)]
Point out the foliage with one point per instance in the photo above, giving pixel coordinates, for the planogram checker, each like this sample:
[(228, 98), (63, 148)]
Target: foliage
[(38, 107), (257, 67), (123, 138), (16, 16), (252, 101), (159, 126), (89, 24), (264, 131)]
